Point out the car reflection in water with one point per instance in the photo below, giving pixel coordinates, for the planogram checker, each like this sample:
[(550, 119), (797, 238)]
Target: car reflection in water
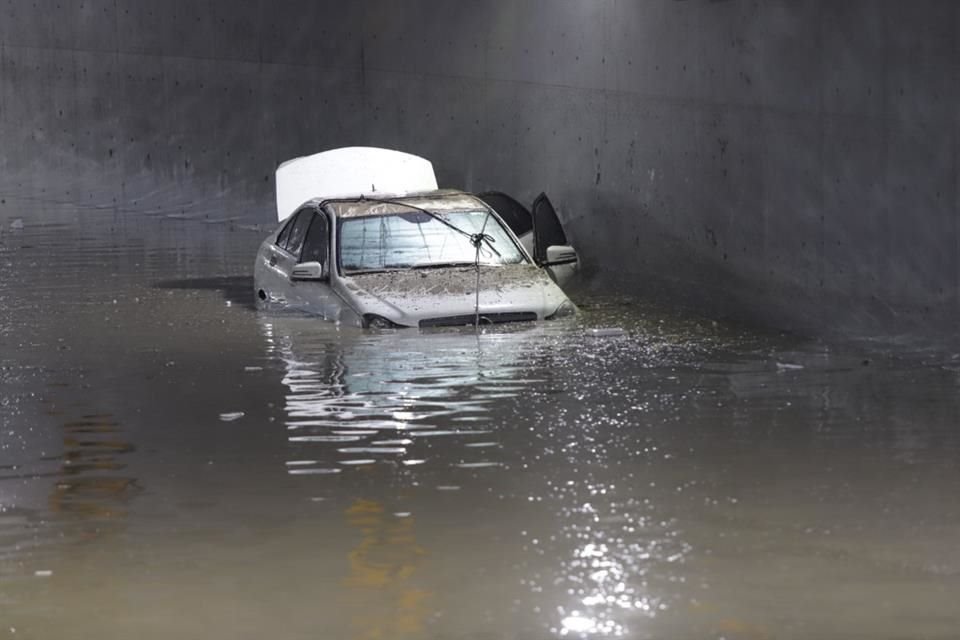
[(389, 418), (359, 397), (359, 401)]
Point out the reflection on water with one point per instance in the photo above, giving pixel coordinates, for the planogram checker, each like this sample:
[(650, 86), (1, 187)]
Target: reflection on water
[(445, 410), (618, 549), (91, 484), (383, 569), (368, 398), (677, 480)]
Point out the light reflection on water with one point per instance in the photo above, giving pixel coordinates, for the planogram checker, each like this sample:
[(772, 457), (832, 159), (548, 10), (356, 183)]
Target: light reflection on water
[(608, 575), (426, 403)]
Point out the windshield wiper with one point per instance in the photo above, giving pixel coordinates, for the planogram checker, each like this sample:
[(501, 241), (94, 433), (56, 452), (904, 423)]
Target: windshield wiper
[(489, 240)]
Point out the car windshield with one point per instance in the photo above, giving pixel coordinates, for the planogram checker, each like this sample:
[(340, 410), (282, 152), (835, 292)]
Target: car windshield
[(413, 239)]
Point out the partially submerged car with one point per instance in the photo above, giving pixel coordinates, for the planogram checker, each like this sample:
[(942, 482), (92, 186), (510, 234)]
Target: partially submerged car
[(369, 240)]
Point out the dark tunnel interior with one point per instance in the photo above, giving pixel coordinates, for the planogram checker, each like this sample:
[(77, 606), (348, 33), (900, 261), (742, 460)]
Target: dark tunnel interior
[(793, 164), (745, 429)]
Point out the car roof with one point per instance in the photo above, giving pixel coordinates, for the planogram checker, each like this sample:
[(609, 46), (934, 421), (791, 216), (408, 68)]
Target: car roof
[(438, 200)]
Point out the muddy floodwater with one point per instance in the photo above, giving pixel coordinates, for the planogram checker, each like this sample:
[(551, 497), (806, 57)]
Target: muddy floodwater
[(175, 464)]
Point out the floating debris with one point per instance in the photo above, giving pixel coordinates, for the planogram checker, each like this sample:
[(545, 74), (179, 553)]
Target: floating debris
[(230, 417)]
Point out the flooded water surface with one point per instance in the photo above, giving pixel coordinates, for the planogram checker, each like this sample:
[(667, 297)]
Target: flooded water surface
[(175, 464)]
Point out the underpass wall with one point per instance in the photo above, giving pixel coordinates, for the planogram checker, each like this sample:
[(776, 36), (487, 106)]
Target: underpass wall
[(788, 163)]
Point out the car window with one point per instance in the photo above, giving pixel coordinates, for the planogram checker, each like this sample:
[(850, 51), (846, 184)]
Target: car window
[(418, 240), (315, 244), (516, 215), (285, 233), (299, 229)]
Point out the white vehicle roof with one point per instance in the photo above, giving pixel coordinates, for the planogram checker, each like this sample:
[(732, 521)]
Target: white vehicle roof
[(351, 172)]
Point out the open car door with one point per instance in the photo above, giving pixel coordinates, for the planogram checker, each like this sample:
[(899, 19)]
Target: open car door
[(550, 247), (514, 214)]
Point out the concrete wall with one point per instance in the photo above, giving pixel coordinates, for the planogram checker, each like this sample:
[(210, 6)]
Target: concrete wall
[(791, 162)]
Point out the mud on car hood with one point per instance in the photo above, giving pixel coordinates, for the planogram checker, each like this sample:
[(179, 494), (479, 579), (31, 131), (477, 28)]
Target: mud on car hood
[(413, 296)]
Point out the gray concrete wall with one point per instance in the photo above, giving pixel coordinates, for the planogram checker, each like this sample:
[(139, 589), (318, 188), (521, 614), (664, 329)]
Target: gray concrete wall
[(791, 162)]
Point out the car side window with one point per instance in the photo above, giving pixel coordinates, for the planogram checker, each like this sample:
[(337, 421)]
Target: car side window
[(299, 229), (516, 215), (285, 233), (316, 242)]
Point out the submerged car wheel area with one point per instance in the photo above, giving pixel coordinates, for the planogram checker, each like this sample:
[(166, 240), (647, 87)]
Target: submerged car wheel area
[(386, 259)]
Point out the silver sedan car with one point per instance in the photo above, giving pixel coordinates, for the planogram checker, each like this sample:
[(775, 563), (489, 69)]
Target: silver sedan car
[(439, 258)]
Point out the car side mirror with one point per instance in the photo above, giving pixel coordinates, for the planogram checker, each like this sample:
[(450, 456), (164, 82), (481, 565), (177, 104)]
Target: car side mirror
[(560, 254), (309, 271)]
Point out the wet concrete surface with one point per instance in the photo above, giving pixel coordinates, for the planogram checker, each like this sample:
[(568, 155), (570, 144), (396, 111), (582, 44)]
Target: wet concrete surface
[(175, 464)]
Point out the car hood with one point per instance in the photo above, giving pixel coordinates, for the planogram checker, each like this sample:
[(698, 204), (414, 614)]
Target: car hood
[(408, 296)]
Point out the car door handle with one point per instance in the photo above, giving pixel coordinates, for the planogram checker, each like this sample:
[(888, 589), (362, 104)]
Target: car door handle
[(273, 261)]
